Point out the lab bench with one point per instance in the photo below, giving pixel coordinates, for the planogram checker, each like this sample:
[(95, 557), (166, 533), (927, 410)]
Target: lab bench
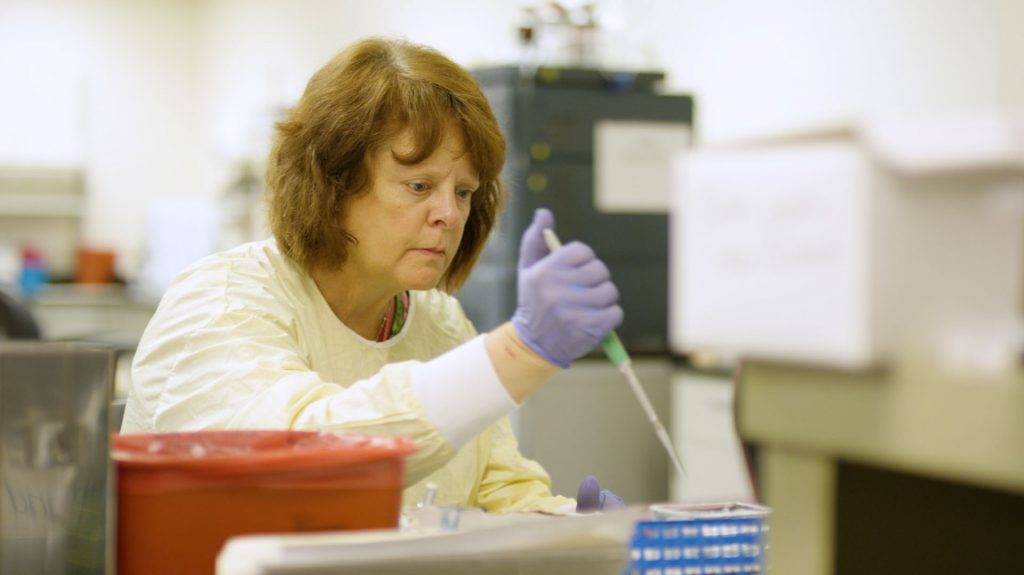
[(914, 468), (107, 313)]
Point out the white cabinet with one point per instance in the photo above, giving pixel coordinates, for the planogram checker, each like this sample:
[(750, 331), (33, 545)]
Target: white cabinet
[(586, 421), (703, 431)]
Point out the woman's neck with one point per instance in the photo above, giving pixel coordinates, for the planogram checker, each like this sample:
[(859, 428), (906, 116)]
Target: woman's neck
[(357, 305)]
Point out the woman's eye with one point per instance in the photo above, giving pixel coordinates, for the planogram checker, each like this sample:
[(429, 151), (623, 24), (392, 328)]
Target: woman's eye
[(419, 186), (465, 194)]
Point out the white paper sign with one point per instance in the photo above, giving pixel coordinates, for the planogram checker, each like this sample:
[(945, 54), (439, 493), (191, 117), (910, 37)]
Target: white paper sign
[(633, 164)]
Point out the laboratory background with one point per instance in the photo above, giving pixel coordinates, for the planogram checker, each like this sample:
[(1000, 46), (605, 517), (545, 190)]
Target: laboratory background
[(813, 212)]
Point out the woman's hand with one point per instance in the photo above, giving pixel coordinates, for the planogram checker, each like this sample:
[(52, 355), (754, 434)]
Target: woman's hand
[(567, 302)]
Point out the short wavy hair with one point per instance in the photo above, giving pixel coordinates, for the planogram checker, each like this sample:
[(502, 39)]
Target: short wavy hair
[(359, 102)]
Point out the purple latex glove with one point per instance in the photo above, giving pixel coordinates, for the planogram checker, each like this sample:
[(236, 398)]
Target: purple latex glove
[(566, 300), (591, 497)]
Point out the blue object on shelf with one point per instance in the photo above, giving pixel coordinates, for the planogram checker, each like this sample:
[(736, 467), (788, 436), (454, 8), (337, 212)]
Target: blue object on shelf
[(32, 280), (33, 276), (719, 539)]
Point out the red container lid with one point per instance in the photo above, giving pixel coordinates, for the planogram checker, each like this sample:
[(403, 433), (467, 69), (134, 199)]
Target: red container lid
[(243, 452)]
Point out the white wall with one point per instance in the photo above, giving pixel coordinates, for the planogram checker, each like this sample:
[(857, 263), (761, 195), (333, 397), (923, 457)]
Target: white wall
[(1010, 50), (109, 85), (260, 53), (760, 67), (160, 99)]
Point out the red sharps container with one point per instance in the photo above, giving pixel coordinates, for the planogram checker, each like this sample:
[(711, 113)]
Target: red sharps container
[(180, 496)]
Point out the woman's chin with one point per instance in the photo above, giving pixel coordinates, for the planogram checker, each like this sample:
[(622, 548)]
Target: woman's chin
[(423, 283)]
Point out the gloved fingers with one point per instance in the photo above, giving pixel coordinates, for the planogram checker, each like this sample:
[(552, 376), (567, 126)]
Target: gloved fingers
[(592, 274), (575, 264), (588, 496), (609, 500), (599, 296), (596, 323), (589, 308), (532, 247), (592, 497), (583, 299), (614, 316), (573, 254)]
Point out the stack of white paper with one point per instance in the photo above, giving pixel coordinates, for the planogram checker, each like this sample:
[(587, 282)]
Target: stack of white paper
[(517, 543)]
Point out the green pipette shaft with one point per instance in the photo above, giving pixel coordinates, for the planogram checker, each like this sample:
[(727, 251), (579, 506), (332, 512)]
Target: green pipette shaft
[(616, 352)]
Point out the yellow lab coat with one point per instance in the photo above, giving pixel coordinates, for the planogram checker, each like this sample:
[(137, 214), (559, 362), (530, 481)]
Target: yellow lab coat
[(243, 339)]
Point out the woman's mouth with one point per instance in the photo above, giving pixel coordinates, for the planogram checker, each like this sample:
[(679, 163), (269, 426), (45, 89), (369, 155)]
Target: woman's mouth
[(432, 252)]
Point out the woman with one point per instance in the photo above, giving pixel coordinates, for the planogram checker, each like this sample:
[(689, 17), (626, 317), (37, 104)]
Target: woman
[(383, 187)]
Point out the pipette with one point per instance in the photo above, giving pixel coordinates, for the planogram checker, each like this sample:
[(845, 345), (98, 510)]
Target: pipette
[(616, 352)]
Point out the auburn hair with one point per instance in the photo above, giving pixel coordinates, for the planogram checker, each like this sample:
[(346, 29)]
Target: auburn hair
[(359, 102)]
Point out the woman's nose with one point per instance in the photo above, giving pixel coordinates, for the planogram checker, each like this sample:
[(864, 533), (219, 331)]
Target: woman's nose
[(446, 207)]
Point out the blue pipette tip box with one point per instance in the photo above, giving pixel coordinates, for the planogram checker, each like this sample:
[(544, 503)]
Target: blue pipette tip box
[(721, 538)]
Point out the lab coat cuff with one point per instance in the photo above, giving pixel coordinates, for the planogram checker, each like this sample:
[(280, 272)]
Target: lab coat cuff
[(461, 392)]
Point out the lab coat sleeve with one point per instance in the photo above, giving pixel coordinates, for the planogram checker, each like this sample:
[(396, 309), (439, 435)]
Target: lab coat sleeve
[(238, 369), (511, 482)]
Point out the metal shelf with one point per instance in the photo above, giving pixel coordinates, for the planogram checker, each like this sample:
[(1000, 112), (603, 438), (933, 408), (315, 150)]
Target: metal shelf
[(43, 206), (41, 191), (40, 205)]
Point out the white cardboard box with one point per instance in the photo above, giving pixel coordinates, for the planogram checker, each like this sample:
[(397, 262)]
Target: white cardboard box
[(845, 247)]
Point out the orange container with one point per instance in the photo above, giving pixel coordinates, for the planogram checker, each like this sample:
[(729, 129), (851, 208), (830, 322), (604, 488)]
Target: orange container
[(180, 496), (95, 267)]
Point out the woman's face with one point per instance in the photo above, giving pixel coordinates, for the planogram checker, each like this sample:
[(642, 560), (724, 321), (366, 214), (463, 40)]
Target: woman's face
[(409, 224)]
